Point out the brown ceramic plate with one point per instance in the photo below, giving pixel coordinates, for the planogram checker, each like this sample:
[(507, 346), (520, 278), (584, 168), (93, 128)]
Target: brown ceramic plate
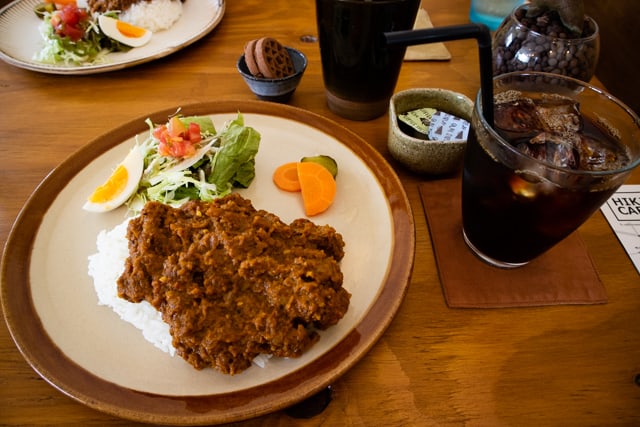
[(89, 353)]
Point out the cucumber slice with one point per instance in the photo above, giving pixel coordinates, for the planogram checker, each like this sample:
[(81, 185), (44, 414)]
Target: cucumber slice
[(326, 161)]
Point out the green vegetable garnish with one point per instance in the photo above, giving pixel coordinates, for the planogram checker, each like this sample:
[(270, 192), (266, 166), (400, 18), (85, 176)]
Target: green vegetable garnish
[(42, 9), (326, 161), (234, 162), (222, 161)]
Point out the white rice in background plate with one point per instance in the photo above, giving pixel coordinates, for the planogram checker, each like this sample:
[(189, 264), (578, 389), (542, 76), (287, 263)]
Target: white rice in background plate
[(106, 266), (155, 16)]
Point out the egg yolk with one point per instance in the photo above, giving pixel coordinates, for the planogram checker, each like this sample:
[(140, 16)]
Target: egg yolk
[(129, 30), (114, 186)]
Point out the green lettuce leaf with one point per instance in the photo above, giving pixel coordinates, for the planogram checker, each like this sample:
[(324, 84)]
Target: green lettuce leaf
[(233, 164), (207, 128)]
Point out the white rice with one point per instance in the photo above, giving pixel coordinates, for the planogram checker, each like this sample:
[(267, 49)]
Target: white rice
[(155, 16), (106, 266)]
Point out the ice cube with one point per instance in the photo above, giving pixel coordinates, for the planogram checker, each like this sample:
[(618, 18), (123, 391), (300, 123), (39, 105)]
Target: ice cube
[(558, 114), (559, 149), (597, 155), (551, 148), (517, 118), (551, 129)]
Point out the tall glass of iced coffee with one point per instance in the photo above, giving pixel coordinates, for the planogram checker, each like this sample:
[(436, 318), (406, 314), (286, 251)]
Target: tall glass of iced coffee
[(557, 150)]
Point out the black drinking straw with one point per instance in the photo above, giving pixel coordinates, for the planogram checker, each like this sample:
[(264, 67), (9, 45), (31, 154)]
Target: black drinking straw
[(480, 32)]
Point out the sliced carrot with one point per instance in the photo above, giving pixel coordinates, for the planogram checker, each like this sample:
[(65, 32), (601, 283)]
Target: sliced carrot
[(317, 185), (286, 177)]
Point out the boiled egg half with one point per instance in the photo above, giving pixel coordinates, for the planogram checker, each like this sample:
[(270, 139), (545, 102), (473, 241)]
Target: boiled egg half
[(124, 32), (122, 183)]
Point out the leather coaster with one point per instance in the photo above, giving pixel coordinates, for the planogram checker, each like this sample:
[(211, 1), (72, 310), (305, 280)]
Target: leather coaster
[(563, 275)]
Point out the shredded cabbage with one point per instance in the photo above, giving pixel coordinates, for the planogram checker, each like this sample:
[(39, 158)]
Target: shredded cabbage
[(222, 161)]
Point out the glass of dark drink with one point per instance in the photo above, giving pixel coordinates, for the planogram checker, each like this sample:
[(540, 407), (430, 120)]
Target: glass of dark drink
[(359, 69), (557, 150)]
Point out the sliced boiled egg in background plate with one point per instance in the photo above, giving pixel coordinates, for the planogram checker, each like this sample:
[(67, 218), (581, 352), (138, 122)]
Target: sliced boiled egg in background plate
[(124, 32), (122, 183)]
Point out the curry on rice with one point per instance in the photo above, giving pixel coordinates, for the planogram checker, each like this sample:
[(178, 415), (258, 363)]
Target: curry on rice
[(234, 282)]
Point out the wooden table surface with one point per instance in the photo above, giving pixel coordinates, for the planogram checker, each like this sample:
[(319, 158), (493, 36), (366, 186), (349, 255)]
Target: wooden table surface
[(556, 365)]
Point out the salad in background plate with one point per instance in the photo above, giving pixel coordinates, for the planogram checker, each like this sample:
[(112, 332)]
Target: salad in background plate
[(74, 36)]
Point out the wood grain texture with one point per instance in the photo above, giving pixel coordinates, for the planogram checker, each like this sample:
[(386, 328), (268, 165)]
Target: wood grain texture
[(434, 366)]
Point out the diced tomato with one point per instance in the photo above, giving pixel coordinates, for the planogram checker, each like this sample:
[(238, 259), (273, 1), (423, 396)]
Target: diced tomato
[(70, 22), (70, 15), (176, 148), (74, 33), (158, 131), (194, 133), (176, 140)]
